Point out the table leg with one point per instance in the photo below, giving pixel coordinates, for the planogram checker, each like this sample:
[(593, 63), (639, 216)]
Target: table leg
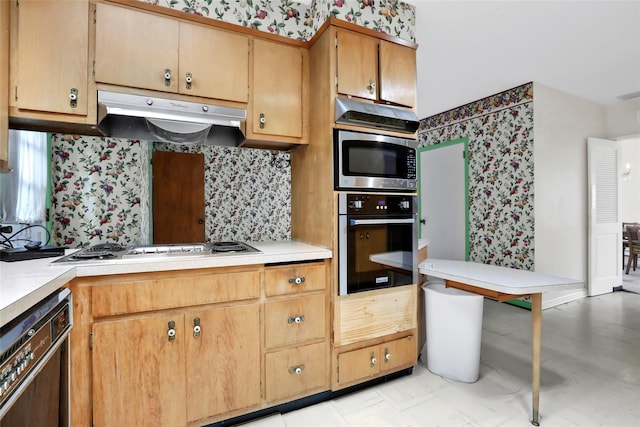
[(536, 335)]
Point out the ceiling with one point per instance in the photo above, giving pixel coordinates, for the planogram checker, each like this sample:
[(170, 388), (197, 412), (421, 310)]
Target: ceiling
[(472, 49)]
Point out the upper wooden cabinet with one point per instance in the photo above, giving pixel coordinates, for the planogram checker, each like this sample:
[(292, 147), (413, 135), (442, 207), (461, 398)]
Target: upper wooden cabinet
[(51, 68), (277, 107), (4, 86), (144, 50), (375, 69)]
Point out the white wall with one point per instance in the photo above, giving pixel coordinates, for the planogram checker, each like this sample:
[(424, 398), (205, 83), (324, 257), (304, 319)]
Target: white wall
[(562, 124), (472, 49), (623, 118)]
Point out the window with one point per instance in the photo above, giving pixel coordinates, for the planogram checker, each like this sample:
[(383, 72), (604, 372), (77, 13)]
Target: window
[(23, 190)]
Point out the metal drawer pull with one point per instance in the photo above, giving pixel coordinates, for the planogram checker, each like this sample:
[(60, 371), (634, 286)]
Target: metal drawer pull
[(196, 327), (373, 359), (167, 77), (296, 369), (387, 355), (296, 280), (171, 330), (296, 319)]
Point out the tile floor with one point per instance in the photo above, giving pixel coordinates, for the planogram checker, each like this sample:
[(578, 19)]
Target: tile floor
[(590, 376)]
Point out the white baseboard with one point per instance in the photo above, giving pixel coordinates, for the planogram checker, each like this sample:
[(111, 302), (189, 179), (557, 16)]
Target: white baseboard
[(579, 294)]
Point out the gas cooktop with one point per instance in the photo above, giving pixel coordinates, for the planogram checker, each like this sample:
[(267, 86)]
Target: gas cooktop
[(113, 251)]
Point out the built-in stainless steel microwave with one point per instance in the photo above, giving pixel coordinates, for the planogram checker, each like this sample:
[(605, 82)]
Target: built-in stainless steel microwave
[(373, 162)]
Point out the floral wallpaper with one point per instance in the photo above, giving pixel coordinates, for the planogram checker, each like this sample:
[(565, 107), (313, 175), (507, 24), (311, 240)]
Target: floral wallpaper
[(500, 132), (299, 21), (247, 192), (101, 191)]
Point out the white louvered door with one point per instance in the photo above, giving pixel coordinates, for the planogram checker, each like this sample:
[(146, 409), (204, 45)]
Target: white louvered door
[(605, 226)]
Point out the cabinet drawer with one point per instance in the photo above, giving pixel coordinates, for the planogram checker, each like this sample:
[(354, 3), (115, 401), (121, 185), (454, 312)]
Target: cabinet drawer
[(294, 320), (132, 296), (294, 279), (283, 380)]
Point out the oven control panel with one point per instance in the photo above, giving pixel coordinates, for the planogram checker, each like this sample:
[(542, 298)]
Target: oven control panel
[(377, 204), (27, 342)]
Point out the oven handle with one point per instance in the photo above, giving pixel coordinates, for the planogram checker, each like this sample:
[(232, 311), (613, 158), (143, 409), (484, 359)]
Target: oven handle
[(380, 221)]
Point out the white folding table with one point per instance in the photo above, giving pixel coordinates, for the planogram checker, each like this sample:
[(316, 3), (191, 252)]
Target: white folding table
[(504, 284)]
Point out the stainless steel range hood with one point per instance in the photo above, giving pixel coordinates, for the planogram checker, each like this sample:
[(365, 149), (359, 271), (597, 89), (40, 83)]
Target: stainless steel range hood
[(357, 113), (156, 119)]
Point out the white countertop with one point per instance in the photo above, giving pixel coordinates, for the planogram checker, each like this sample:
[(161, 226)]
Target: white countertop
[(25, 283), (500, 279), (397, 259)]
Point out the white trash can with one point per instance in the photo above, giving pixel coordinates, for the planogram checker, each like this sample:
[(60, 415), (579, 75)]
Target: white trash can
[(454, 330)]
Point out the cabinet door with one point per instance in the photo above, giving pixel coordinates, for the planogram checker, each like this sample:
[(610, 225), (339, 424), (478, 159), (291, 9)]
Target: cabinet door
[(398, 353), (216, 60), (4, 86), (138, 373), (52, 56), (277, 89), (357, 58), (397, 74), (136, 48), (358, 364), (223, 360)]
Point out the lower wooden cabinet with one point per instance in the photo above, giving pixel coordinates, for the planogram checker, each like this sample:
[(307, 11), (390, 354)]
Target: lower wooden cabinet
[(176, 367), (188, 348), (296, 331), (369, 362)]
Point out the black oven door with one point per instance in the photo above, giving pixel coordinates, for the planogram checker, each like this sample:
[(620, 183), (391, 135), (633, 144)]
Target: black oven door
[(376, 252)]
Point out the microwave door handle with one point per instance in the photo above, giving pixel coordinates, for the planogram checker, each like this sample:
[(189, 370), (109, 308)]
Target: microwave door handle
[(380, 221)]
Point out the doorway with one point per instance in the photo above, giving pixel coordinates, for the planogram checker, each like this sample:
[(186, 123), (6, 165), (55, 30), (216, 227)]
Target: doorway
[(444, 199), (178, 197), (630, 197)]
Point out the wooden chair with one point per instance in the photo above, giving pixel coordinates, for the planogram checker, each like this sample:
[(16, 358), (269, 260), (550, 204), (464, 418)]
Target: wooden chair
[(625, 245), (633, 241)]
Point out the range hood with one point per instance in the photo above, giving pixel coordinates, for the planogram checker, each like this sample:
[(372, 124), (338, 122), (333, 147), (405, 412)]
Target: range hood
[(357, 113), (156, 119)]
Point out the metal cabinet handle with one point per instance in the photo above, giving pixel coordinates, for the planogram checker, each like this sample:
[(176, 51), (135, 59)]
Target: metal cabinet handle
[(171, 330), (373, 360), (73, 97), (296, 369), (263, 120), (296, 280), (196, 327), (387, 355), (296, 319), (188, 80), (167, 77), (372, 86)]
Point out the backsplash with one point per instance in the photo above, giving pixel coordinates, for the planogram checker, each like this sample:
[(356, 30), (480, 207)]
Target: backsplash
[(101, 191), (501, 176), (298, 21)]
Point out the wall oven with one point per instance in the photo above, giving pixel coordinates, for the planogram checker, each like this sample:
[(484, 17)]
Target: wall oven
[(373, 162), (377, 241), (34, 365)]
